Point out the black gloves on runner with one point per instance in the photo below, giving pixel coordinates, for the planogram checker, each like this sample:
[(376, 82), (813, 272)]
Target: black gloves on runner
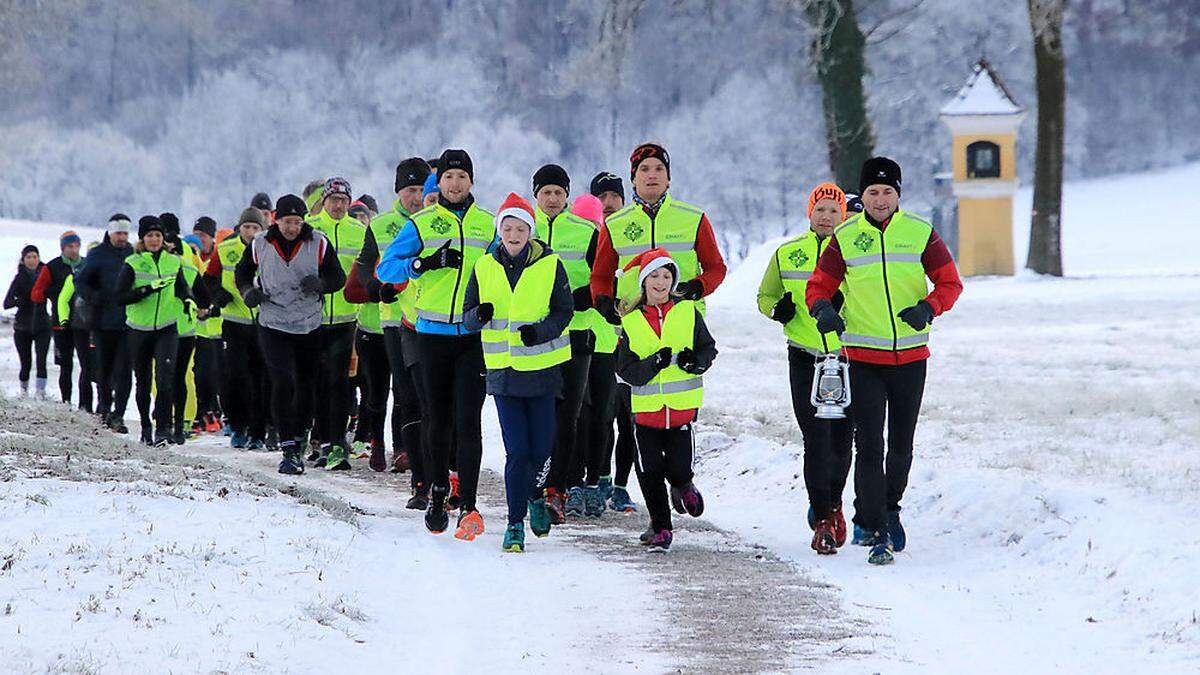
[(388, 294), (690, 290), (608, 309), (439, 259), (688, 362), (528, 335), (662, 358), (784, 310), (255, 297), (221, 298), (918, 316), (582, 297), (484, 312), (828, 320), (143, 292), (312, 285)]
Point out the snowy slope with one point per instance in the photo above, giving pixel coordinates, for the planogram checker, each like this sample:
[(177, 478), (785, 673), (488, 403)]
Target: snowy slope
[(16, 234)]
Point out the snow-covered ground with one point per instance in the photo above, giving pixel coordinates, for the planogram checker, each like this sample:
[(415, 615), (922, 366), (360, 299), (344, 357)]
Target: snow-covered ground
[(1047, 513)]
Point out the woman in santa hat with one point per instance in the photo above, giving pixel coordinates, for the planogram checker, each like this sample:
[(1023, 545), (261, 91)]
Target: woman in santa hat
[(664, 351), (519, 298)]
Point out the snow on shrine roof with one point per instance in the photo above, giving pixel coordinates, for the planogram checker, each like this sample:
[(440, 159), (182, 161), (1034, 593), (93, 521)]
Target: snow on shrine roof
[(983, 94)]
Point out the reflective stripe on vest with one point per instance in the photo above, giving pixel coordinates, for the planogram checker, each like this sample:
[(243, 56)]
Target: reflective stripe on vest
[(439, 293), (513, 308), (884, 275), (671, 387), (796, 259), (346, 240), (159, 309), (674, 228)]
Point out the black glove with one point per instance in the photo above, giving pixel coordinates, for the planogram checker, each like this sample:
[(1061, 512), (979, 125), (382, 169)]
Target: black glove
[(662, 358), (528, 335), (690, 290), (388, 294), (608, 309), (143, 292), (214, 311), (828, 320), (838, 301), (918, 316), (222, 297), (688, 362), (312, 285), (443, 257), (582, 297), (784, 310), (484, 312), (255, 297)]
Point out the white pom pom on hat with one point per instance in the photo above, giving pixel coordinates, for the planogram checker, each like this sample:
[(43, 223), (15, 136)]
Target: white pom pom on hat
[(649, 261), (516, 206)]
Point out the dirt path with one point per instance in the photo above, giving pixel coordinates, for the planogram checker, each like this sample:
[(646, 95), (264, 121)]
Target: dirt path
[(736, 607)]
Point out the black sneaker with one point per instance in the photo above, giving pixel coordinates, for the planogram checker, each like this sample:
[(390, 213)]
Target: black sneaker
[(322, 456), (177, 437), (647, 537), (293, 463), (162, 440), (895, 531), (147, 434), (436, 518), (419, 501)]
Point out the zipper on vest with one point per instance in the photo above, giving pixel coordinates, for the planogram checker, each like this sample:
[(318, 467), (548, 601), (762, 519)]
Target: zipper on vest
[(887, 293), (158, 295), (337, 230), (824, 340), (462, 246)]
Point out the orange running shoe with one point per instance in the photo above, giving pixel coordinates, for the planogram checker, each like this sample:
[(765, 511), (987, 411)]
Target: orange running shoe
[(453, 500), (470, 525)]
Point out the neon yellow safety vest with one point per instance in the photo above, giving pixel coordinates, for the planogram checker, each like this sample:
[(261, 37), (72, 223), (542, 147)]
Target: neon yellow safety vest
[(671, 387), (64, 300), (797, 259), (188, 323), (346, 236), (570, 236), (674, 228), (230, 253), (386, 227), (884, 275), (440, 292), (160, 309), (526, 304)]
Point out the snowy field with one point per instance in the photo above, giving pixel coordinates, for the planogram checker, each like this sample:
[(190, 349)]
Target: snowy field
[(1055, 467)]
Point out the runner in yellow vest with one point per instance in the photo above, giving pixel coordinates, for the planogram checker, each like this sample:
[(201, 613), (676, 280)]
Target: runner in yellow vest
[(396, 309), (339, 318), (437, 251), (573, 239), (195, 313), (827, 443), (519, 296), (883, 257), (610, 191), (153, 289), (243, 371), (208, 345), (664, 351)]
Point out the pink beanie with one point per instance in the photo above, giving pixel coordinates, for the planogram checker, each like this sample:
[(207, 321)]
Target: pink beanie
[(589, 207)]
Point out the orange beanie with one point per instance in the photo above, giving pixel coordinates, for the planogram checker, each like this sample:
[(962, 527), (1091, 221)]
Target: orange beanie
[(827, 191)]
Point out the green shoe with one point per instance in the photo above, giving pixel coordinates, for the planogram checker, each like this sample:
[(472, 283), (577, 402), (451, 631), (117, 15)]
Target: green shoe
[(514, 538), (539, 517), (338, 460)]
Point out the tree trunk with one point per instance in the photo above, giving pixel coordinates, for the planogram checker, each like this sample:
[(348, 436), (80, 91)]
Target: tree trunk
[(1045, 233), (837, 53)]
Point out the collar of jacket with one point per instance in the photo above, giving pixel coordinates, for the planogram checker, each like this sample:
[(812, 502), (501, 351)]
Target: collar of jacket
[(459, 208), (275, 236)]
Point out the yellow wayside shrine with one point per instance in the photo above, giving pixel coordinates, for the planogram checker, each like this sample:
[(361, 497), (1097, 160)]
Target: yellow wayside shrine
[(983, 120)]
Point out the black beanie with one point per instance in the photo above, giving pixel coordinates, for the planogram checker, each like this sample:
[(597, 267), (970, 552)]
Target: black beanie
[(170, 222), (262, 201), (455, 159), (853, 203), (290, 205), (607, 182), (369, 202), (645, 151), (410, 172), (148, 224), (551, 174), (879, 171), (206, 225), (30, 248)]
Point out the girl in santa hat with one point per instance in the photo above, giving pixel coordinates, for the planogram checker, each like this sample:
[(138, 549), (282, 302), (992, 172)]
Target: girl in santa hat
[(665, 349), (519, 298)]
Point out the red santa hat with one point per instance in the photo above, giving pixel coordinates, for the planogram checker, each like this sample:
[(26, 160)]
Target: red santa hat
[(649, 261), (516, 206)]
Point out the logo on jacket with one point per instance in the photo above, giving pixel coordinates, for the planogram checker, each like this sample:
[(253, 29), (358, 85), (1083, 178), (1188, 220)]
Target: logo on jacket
[(633, 231), (440, 225), (864, 241), (798, 257)]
